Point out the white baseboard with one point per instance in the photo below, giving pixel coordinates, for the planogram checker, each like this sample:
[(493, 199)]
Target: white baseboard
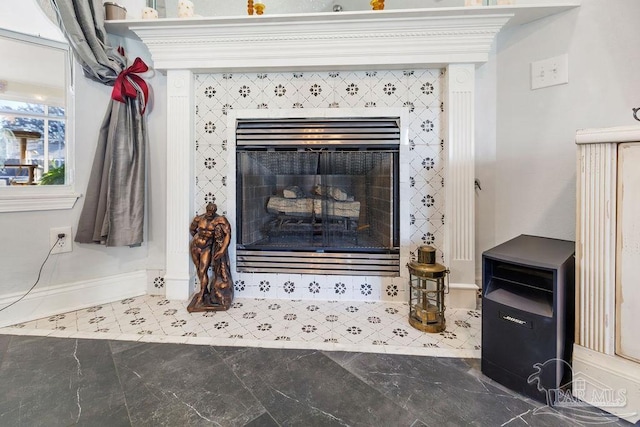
[(462, 295), (68, 297), (611, 383)]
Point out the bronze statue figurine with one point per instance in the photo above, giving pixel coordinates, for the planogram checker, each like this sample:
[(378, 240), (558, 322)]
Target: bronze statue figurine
[(211, 236)]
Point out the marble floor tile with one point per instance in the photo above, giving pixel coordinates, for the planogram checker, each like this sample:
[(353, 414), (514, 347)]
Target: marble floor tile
[(55, 382), (166, 385), (47, 381)]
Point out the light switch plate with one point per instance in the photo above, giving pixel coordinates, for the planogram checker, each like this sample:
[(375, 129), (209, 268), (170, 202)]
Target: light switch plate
[(550, 72)]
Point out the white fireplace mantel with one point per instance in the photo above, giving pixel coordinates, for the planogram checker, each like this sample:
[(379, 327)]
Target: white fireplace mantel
[(390, 39), (456, 38)]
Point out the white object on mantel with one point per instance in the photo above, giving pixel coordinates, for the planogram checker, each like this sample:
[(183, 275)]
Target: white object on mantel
[(114, 11), (185, 9), (488, 2), (606, 353), (134, 8), (149, 13)]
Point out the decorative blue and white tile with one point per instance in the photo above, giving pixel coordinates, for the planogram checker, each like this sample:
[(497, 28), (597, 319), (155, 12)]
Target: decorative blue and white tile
[(243, 92), (426, 88), (155, 282), (209, 91), (336, 287), (366, 290), (281, 91), (392, 289), (351, 91), (267, 322), (291, 286)]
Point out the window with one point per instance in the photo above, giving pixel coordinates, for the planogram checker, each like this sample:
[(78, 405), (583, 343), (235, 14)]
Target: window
[(35, 103), (33, 146)]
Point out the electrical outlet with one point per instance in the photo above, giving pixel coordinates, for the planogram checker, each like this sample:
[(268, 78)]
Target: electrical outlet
[(550, 72), (63, 244)]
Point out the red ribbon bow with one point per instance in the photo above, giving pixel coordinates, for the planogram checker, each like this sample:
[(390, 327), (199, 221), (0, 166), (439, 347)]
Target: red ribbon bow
[(128, 83)]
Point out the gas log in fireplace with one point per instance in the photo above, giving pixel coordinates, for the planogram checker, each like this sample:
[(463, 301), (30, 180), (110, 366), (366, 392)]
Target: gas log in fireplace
[(318, 196)]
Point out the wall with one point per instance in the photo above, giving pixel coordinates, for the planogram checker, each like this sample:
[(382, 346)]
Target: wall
[(535, 165), (485, 137), (26, 17), (526, 153), (25, 235)]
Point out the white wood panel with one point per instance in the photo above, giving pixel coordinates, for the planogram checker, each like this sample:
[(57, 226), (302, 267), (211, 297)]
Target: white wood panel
[(606, 350), (595, 254), (460, 173), (180, 140), (628, 262)]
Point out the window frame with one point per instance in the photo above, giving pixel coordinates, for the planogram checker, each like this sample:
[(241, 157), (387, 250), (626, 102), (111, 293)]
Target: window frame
[(49, 197)]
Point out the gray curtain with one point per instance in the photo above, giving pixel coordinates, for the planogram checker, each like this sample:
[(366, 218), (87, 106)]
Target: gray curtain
[(113, 210)]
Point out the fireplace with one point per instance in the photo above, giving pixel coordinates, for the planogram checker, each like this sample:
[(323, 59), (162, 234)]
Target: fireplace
[(318, 196), (454, 39)]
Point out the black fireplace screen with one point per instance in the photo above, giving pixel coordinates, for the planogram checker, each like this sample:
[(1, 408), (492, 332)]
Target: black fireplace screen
[(321, 197)]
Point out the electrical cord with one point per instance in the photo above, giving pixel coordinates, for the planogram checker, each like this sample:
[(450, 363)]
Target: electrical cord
[(39, 273)]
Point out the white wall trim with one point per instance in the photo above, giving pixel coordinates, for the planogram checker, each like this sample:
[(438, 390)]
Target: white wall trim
[(605, 377), (38, 200), (610, 135), (71, 297), (462, 295), (346, 40), (180, 185), (460, 173)]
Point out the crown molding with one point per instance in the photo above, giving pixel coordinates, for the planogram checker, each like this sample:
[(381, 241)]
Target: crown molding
[(37, 198), (611, 135), (389, 39), (353, 41)]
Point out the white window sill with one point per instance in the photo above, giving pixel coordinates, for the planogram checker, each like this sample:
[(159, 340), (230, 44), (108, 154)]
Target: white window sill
[(36, 198)]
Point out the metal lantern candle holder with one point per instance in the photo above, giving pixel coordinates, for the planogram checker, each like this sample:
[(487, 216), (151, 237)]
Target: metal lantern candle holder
[(427, 288)]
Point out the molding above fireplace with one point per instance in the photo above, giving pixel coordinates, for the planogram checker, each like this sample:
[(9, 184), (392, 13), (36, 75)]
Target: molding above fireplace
[(389, 39)]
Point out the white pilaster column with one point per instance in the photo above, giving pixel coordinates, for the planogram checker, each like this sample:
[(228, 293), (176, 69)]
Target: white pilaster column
[(596, 229), (460, 170), (180, 152)]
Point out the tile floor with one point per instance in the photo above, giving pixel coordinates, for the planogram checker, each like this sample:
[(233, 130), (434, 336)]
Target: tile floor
[(50, 381), (136, 369), (373, 327)]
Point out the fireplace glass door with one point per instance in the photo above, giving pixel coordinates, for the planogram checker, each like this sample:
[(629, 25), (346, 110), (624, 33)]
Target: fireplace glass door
[(317, 198), (311, 200)]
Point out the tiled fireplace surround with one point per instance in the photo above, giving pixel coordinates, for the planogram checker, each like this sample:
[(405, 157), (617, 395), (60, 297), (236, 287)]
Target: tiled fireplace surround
[(414, 96), (416, 65), (220, 99)]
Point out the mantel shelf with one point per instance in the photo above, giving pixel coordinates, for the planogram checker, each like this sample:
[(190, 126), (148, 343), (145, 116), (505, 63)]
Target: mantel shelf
[(346, 40), (521, 14)]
